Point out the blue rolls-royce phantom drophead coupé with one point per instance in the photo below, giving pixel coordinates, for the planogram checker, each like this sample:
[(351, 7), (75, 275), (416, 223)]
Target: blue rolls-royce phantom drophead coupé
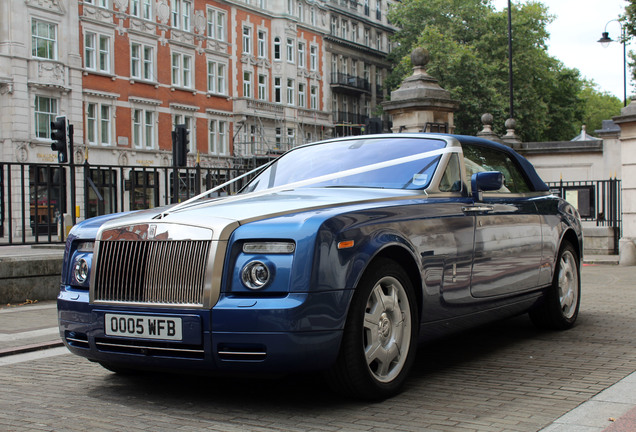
[(339, 256)]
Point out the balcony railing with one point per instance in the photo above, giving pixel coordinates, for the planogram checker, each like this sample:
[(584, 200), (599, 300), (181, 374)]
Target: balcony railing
[(351, 81), (346, 117)]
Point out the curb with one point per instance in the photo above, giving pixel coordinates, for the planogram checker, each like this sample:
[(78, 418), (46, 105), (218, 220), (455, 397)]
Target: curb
[(30, 348)]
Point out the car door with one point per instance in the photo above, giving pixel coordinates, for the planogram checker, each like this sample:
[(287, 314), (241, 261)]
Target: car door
[(508, 241)]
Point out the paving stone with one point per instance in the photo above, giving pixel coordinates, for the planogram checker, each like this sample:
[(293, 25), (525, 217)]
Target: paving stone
[(504, 377)]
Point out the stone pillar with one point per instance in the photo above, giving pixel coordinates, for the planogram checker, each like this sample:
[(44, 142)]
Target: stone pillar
[(627, 122), (421, 104)]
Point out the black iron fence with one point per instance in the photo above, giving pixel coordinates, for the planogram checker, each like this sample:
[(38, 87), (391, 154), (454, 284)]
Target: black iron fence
[(597, 201), (36, 200)]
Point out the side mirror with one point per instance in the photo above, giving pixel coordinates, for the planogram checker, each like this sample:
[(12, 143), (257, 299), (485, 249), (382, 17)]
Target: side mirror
[(485, 181)]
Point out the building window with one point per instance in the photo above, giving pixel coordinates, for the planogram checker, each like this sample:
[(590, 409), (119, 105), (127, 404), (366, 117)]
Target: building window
[(45, 113), (290, 50), (141, 61), (135, 9), (143, 132), (98, 124), (334, 26), (97, 52), (262, 45), (290, 91), (378, 10), (181, 14), (354, 33), (262, 4), (291, 138), (216, 77), (247, 40), (262, 87), (378, 41), (301, 11), (182, 70), (276, 48), (313, 58), (290, 7), (278, 137), (345, 29), (343, 65), (313, 98), (146, 9), (218, 137), (278, 90), (247, 84), (312, 16), (301, 54), (366, 36), (216, 24), (43, 40), (302, 98), (366, 7)]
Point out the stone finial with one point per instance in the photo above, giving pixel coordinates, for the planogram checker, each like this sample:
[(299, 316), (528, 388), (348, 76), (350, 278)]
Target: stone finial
[(510, 124), (487, 120), (420, 57), (510, 138)]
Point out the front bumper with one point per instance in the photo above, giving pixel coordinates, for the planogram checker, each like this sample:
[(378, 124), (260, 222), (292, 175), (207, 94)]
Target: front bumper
[(292, 333)]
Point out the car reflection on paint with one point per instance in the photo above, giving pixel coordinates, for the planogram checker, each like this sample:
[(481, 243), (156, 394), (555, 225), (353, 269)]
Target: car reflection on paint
[(339, 257)]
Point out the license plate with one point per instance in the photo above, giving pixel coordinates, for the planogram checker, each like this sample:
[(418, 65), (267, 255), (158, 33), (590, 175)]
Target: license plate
[(143, 326)]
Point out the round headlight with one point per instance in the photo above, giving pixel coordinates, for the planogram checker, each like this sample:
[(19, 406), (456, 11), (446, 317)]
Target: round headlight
[(255, 275), (81, 270)]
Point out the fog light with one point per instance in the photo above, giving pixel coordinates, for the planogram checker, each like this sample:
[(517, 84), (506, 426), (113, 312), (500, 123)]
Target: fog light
[(81, 270), (255, 275)]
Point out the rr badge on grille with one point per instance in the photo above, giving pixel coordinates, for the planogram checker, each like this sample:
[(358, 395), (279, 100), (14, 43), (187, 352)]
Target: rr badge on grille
[(152, 232)]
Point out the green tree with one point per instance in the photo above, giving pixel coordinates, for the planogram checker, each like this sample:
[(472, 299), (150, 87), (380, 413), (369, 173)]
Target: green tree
[(599, 106), (628, 21), (468, 45)]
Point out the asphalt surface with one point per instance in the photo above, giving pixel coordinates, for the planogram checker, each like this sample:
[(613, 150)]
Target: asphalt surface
[(507, 376)]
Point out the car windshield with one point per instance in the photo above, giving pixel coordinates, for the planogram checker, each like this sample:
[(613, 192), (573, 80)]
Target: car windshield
[(392, 163)]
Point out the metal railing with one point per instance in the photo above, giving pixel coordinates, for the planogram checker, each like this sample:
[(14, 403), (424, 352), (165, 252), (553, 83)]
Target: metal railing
[(597, 201), (350, 81), (36, 199)]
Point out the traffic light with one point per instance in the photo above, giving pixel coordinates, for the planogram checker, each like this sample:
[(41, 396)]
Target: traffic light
[(180, 145), (58, 135)]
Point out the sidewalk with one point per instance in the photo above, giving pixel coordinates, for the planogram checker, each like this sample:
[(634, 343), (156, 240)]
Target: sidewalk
[(28, 327), (32, 326)]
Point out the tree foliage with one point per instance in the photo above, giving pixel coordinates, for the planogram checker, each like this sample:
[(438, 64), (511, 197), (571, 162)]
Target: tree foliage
[(599, 106), (628, 21), (468, 45)]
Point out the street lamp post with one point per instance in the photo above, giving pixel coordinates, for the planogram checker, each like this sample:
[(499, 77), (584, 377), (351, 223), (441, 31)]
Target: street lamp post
[(605, 41), (510, 76)]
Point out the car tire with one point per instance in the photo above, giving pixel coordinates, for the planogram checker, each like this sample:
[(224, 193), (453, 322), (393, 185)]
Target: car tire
[(380, 337), (560, 307)]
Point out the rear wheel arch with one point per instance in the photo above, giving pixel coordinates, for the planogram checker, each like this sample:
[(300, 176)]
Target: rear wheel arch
[(570, 237)]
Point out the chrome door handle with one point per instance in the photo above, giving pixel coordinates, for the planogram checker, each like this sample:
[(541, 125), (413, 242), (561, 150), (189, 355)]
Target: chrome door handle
[(478, 209)]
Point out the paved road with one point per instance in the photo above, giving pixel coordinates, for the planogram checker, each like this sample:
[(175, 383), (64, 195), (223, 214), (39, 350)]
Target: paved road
[(505, 377)]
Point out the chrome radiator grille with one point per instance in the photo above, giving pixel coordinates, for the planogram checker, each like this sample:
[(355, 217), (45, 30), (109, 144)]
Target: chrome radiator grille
[(158, 272)]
